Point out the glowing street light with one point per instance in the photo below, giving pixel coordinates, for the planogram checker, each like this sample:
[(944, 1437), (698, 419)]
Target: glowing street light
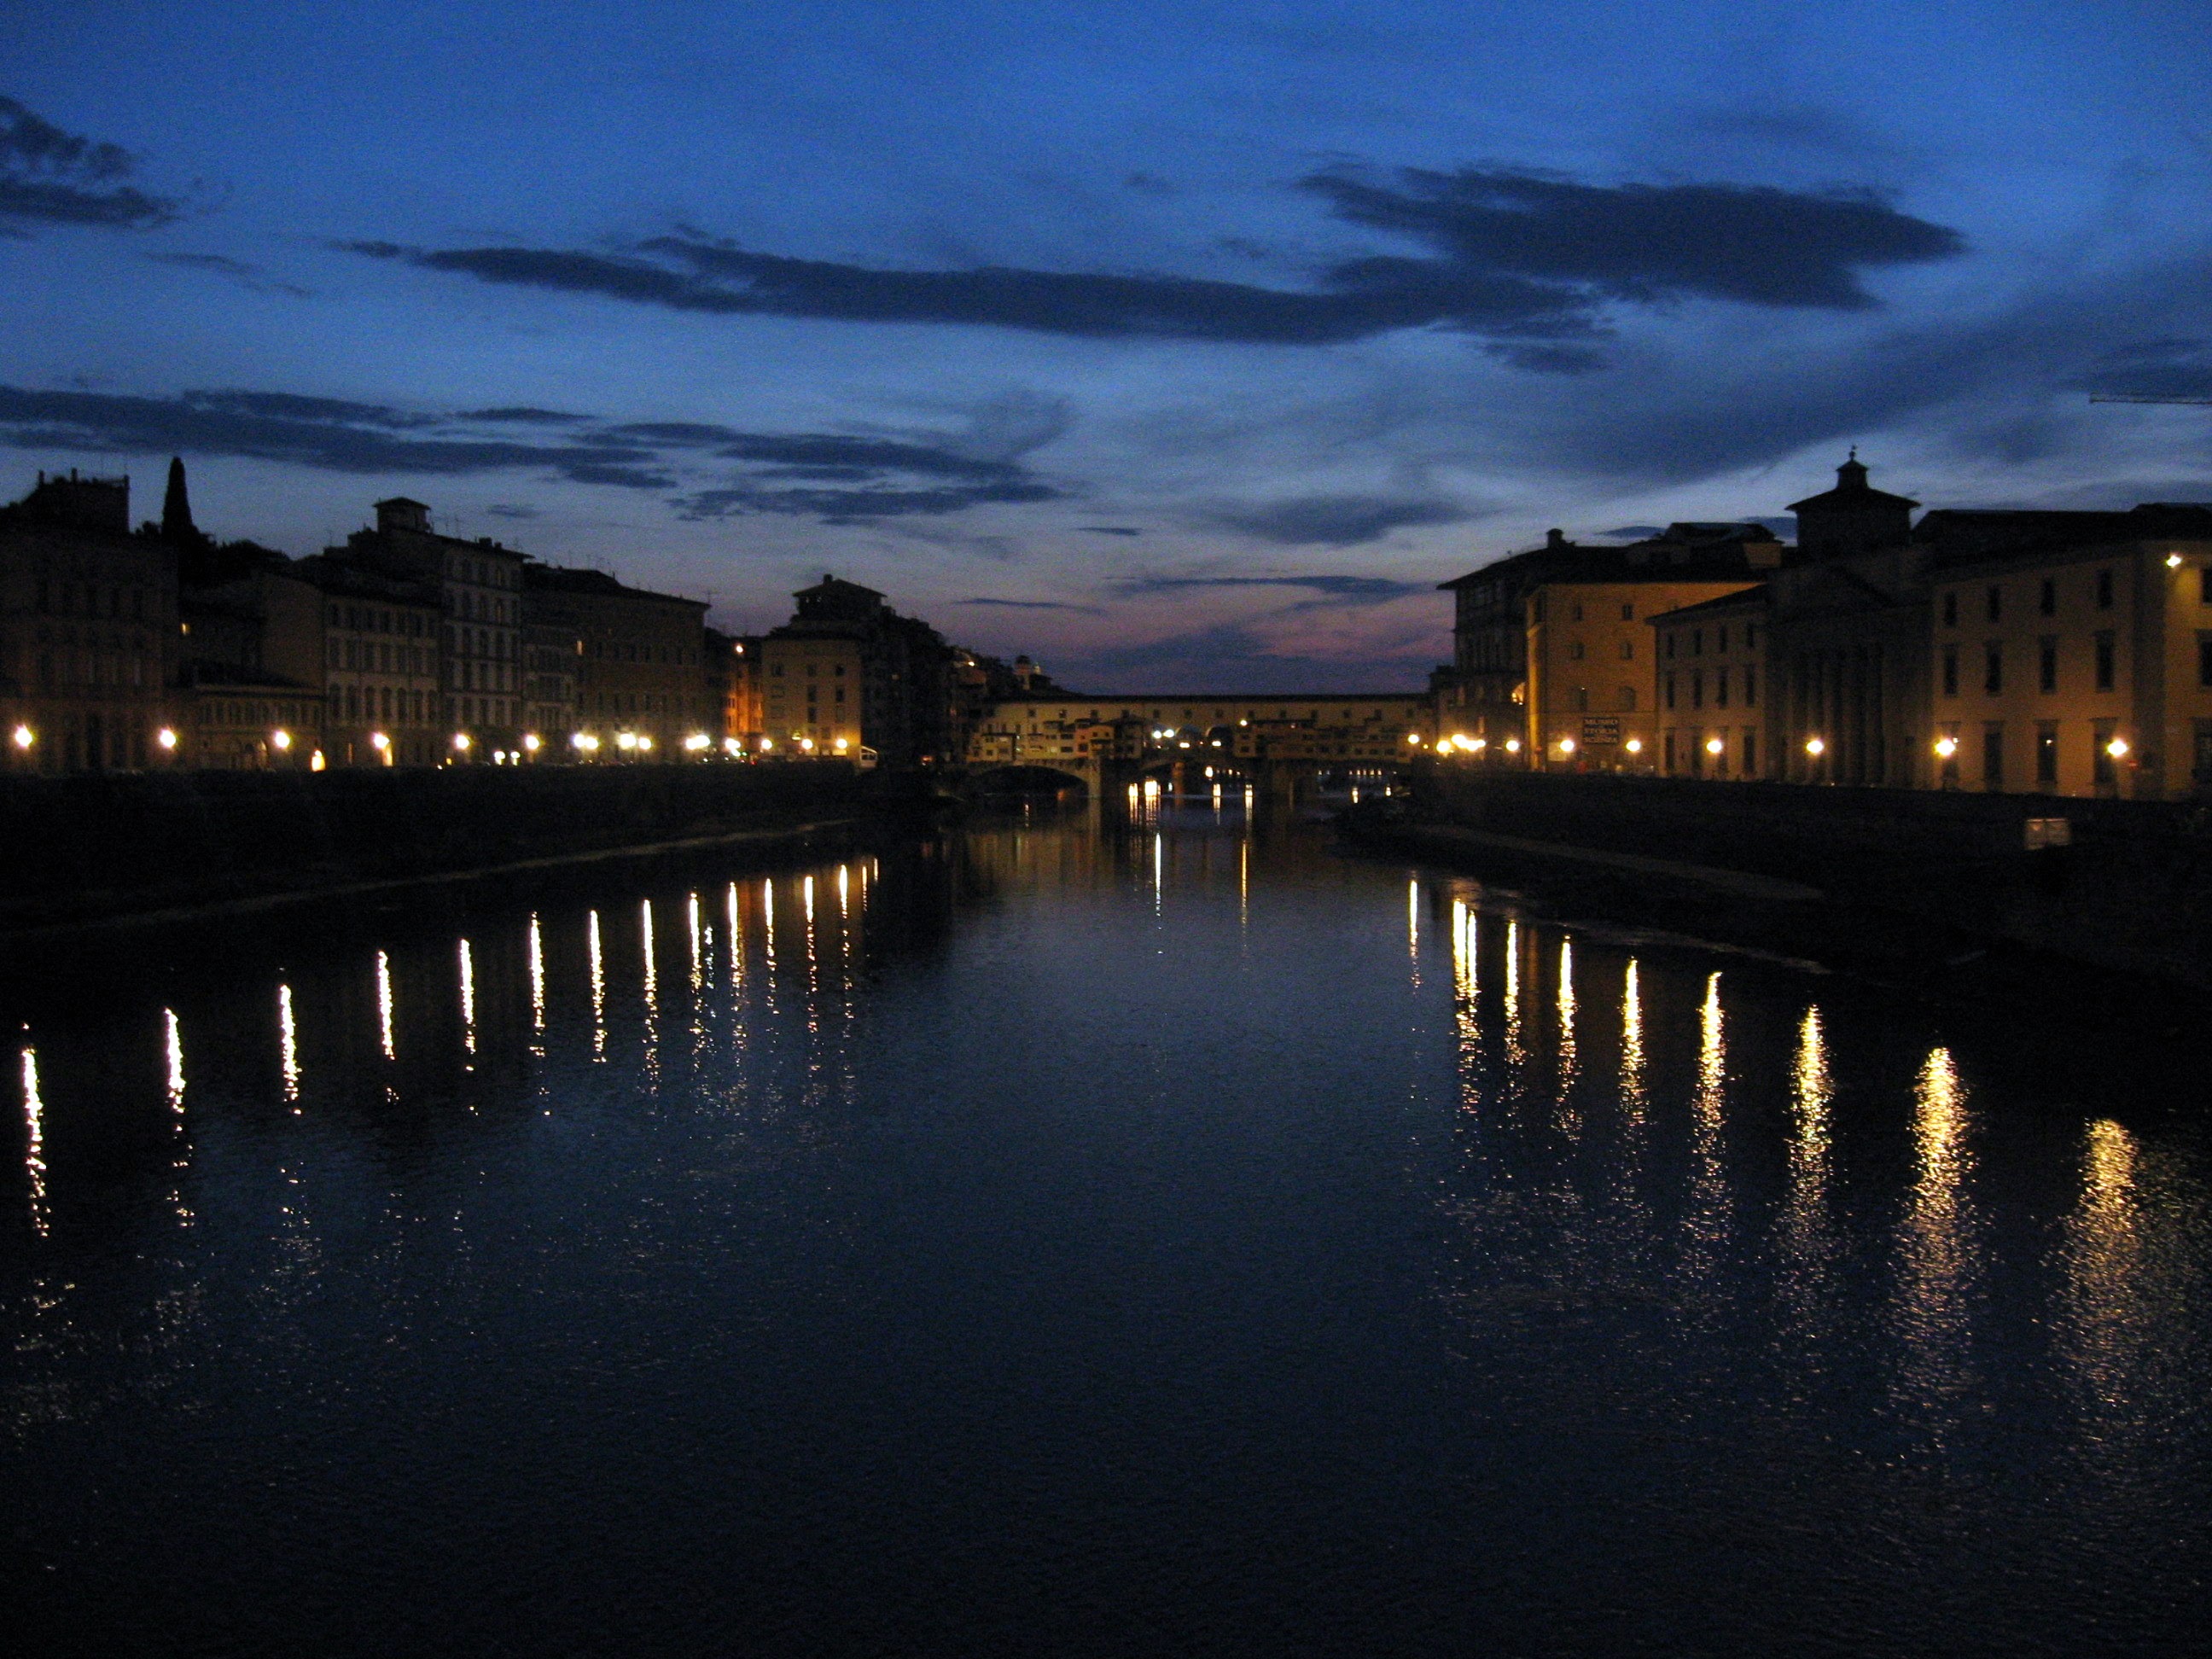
[(625, 740), (281, 739), (2173, 561), (530, 741), (24, 737), (1566, 745), (1413, 738), (1634, 745), (2117, 748), (1479, 745), (1946, 747), (1512, 745), (1714, 745), (644, 742), (165, 737), (461, 741), (841, 746), (731, 745), (1815, 747)]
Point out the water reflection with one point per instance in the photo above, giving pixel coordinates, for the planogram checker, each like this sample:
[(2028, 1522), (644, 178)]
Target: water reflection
[(1936, 1256), (1748, 1249)]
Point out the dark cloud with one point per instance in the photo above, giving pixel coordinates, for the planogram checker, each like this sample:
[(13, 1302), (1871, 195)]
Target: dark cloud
[(1030, 604), (50, 177), (522, 415), (2152, 368), (1752, 243), (847, 456), (851, 505), (1633, 533), (511, 510), (1335, 590), (251, 278), (1336, 520), (1110, 530), (314, 432), (288, 406), (1528, 260), (881, 478)]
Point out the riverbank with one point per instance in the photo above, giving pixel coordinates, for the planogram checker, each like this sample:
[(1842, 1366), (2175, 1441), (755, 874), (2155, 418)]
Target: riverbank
[(1933, 891), (84, 851)]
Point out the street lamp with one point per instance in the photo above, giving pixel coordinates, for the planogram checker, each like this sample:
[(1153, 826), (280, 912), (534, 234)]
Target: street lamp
[(1634, 745), (461, 741), (281, 739), (1945, 747), (1512, 745), (24, 737), (1566, 745), (1714, 745), (165, 737), (1815, 747), (530, 741), (2117, 748)]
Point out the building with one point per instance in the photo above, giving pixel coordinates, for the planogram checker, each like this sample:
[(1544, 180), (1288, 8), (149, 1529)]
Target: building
[(251, 676), (479, 586), (1553, 662), (552, 663), (1715, 691), (2072, 654), (848, 674), (641, 661), (89, 630), (383, 636)]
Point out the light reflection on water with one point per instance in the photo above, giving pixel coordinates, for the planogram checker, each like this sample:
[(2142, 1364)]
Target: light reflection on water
[(945, 1212)]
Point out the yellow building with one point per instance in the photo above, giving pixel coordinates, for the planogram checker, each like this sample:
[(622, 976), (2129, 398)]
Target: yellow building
[(2076, 670), (811, 694), (1593, 687), (1333, 728)]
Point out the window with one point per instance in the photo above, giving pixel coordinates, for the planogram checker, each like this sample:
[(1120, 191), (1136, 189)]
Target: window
[(1996, 603), (1993, 665), (1574, 650), (1750, 687), (1670, 742), (2046, 663), (1720, 637), (1668, 648), (1628, 612), (2203, 585), (2102, 770), (1577, 610), (1951, 609), (2046, 753), (1950, 671), (2204, 660), (1751, 636), (1581, 700), (1670, 690), (1628, 650), (1750, 751), (1626, 700), (2046, 598), (2105, 659), (1993, 756), (1720, 688), (2104, 590), (1697, 641)]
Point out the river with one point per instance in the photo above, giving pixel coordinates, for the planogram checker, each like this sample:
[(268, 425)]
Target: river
[(1162, 1235)]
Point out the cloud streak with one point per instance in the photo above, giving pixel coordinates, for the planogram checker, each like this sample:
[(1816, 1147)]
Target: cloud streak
[(1529, 261), (50, 177), (1336, 520)]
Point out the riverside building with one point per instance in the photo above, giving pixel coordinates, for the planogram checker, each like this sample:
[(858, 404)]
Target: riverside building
[(640, 671)]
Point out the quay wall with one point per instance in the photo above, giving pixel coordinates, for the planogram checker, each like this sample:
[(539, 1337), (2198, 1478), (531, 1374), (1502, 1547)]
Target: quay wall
[(85, 847), (2132, 892)]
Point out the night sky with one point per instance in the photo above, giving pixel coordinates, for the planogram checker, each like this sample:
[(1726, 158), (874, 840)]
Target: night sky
[(1180, 345)]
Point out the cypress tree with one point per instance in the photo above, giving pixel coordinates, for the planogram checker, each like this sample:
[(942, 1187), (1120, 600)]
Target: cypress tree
[(177, 524)]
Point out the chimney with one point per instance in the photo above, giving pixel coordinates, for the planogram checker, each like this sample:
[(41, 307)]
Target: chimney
[(1555, 538)]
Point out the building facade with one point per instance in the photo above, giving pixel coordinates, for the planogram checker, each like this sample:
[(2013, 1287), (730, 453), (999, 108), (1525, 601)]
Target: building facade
[(641, 661), (89, 630), (479, 586), (848, 674), (383, 683)]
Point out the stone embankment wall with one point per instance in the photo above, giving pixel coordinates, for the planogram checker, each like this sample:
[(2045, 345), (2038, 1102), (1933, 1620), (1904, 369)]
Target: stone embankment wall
[(73, 849), (2134, 891)]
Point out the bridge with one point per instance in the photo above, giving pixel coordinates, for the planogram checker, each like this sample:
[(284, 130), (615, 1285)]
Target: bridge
[(1274, 742)]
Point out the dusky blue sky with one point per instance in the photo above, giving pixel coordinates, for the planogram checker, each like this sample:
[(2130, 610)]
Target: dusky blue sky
[(1180, 345)]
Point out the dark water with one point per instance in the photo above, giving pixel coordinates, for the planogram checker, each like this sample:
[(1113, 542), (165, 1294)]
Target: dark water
[(1170, 1239)]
